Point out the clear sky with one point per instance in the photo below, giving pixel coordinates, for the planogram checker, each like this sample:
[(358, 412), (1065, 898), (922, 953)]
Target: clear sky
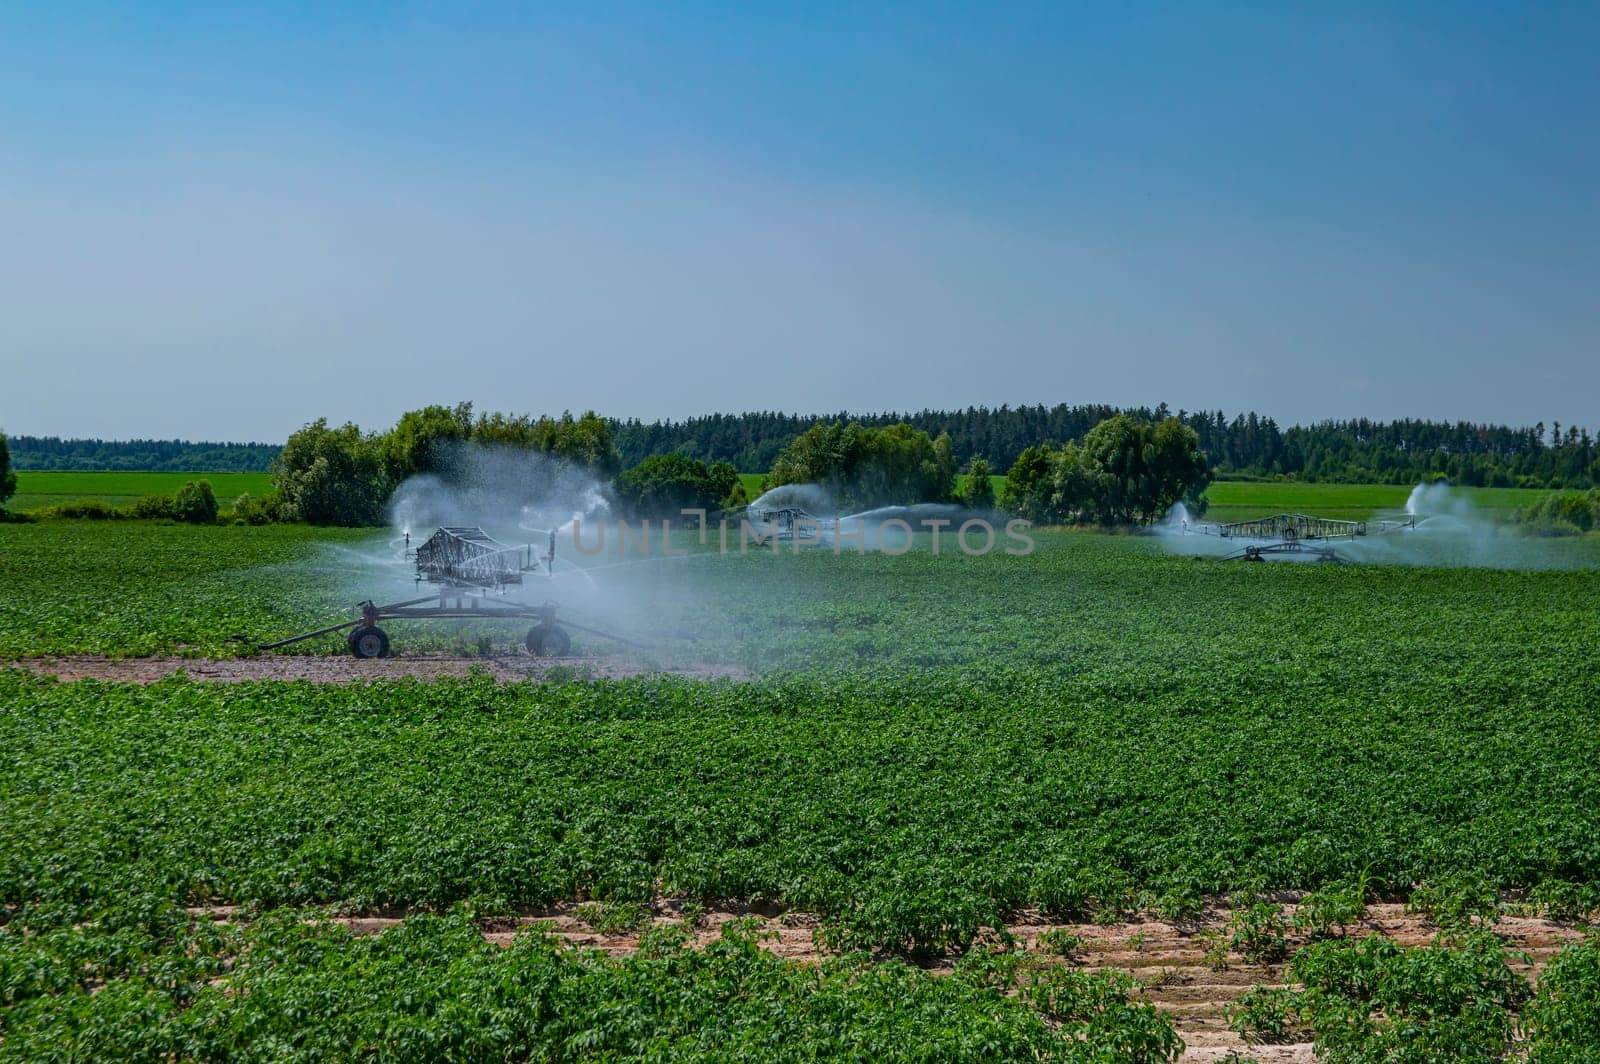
[(223, 222)]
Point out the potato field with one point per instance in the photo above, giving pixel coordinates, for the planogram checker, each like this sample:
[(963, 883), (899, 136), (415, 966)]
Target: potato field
[(924, 807)]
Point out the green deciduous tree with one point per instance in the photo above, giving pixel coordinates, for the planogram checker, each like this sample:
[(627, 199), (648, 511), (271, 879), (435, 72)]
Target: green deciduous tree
[(8, 479), (195, 503), (865, 467), (331, 476), (413, 445), (980, 490), (1124, 471), (664, 484), (1027, 489)]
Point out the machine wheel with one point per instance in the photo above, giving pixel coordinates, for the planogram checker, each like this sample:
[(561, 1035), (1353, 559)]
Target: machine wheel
[(548, 639), (369, 641)]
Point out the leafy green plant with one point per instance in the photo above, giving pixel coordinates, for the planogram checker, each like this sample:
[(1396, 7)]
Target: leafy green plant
[(1371, 999), (1061, 942), (1266, 1014), (1566, 901), (1457, 901), (1258, 932), (1332, 910), (613, 918), (1563, 1022)]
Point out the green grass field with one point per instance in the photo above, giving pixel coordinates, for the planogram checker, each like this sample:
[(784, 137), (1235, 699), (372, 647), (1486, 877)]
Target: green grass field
[(1239, 500), (1230, 500), (926, 747), (38, 489)]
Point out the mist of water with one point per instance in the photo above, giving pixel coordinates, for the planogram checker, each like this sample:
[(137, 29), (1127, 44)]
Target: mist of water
[(890, 528), (1439, 526)]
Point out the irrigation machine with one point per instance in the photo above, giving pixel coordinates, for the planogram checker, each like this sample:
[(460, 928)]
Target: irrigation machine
[(471, 571), (1295, 534)]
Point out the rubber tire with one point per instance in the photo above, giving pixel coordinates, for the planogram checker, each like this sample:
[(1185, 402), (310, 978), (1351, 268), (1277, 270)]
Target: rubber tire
[(370, 642), (548, 639)]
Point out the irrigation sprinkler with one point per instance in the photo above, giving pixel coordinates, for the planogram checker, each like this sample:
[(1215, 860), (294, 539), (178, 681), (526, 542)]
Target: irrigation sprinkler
[(470, 569), (790, 523), (1295, 534)]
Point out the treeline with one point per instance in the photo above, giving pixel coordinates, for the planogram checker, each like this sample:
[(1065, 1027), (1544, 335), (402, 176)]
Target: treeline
[(1246, 445), (1125, 471), (179, 456), (341, 475)]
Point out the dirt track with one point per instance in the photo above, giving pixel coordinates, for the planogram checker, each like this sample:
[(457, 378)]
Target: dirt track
[(336, 669), (1169, 961)]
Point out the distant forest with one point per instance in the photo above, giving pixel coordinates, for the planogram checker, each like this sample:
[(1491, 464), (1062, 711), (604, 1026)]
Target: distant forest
[(1248, 445), (179, 456)]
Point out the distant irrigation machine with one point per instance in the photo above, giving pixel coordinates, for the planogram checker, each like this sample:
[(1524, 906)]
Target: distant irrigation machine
[(789, 523), (470, 569), (1294, 534)]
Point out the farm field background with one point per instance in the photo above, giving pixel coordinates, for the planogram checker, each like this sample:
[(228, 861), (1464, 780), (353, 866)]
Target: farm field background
[(926, 750), (40, 488), (1230, 500), (144, 587), (1236, 500)]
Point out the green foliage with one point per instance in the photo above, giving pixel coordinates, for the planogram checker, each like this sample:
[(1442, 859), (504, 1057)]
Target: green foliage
[(1457, 900), (195, 503), (739, 494), (431, 988), (258, 511), (141, 457), (1061, 942), (1124, 471), (341, 476), (1266, 1014), (864, 467), (980, 488), (1356, 451), (1099, 1013), (663, 485), (1332, 910), (1372, 1000), (584, 441), (1561, 900), (332, 476), (414, 444), (612, 918), (39, 491), (917, 768), (1563, 1023), (1563, 515), (1257, 931), (8, 479), (137, 587), (94, 510), (1028, 487), (1128, 471), (911, 815)]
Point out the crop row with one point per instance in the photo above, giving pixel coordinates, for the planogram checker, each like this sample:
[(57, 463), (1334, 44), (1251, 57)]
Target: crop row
[(910, 817), (1112, 605), (151, 982)]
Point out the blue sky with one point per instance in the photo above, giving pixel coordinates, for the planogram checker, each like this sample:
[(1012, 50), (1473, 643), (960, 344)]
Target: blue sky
[(224, 223)]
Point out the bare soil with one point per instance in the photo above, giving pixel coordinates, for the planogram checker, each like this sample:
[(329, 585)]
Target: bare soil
[(335, 669), (1168, 960)]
